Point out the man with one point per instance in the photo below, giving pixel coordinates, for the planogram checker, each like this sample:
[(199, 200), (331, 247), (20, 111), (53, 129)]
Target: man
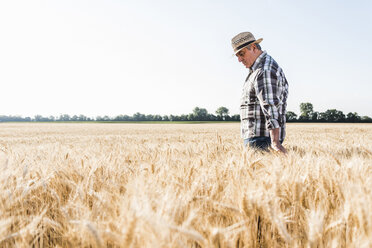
[(264, 97)]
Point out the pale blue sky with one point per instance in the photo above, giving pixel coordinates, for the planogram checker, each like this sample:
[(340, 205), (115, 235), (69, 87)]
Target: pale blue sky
[(166, 57)]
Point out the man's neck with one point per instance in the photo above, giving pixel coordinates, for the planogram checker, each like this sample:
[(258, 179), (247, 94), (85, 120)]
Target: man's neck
[(258, 55)]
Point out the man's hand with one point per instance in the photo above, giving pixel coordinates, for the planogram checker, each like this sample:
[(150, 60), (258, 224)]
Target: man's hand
[(278, 147), (275, 143)]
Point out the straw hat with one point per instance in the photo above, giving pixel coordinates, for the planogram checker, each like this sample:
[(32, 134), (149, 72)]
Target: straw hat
[(242, 40)]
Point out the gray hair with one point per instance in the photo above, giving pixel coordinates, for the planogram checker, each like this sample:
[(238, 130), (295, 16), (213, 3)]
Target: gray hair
[(257, 45)]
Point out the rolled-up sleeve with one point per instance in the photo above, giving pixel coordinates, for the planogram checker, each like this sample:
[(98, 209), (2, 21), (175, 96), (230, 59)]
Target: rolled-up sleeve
[(267, 93)]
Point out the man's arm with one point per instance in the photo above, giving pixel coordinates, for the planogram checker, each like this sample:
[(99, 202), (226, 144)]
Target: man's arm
[(275, 143), (266, 90)]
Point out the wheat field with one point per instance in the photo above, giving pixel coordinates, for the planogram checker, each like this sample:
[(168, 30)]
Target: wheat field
[(183, 185)]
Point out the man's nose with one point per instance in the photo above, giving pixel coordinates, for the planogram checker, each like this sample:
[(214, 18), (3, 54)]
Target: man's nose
[(239, 59)]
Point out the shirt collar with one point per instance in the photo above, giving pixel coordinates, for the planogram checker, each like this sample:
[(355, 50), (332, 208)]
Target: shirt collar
[(257, 62)]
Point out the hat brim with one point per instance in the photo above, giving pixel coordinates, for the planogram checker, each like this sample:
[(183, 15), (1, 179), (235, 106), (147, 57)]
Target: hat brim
[(254, 42)]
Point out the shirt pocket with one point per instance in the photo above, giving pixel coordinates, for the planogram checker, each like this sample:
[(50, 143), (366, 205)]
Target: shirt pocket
[(248, 103), (246, 111)]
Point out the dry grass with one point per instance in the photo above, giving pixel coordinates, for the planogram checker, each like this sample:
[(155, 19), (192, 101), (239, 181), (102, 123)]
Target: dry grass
[(122, 185)]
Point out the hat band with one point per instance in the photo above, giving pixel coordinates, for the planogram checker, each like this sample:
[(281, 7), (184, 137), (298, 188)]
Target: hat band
[(245, 44)]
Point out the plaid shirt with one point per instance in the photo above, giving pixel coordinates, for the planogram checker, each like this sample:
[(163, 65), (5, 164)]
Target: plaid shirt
[(264, 99)]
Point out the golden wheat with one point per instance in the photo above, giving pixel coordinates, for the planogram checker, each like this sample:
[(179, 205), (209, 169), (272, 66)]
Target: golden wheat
[(163, 185)]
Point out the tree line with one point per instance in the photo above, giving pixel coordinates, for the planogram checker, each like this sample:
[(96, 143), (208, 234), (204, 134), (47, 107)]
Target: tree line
[(331, 115), (199, 114)]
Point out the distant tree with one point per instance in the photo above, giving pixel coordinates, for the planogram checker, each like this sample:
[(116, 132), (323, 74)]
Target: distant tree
[(38, 117), (314, 116), (200, 114), (322, 116), (104, 118), (227, 118), (191, 117), (211, 117), (366, 119), (149, 117), (122, 118), (176, 118), (64, 117), (222, 112), (183, 117), (291, 116), (165, 118), (353, 117), (5, 118), (139, 117), (82, 118), (235, 118), (306, 110), (118, 118), (127, 118), (334, 115)]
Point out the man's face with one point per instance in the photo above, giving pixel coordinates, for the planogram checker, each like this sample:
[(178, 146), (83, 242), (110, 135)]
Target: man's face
[(247, 56)]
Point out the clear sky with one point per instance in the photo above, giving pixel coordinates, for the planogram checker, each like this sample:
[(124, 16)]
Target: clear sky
[(166, 57)]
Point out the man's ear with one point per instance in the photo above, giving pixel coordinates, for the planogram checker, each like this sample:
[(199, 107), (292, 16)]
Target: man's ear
[(253, 46)]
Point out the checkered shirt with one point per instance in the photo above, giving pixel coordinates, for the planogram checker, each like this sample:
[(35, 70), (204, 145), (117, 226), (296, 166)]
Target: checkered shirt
[(264, 99)]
